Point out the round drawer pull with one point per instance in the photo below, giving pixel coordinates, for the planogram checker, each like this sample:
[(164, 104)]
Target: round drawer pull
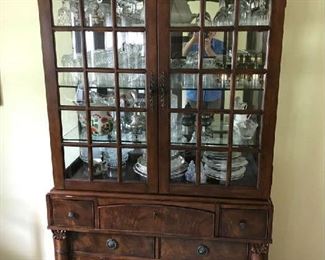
[(242, 224), (202, 250), (112, 244), (71, 215)]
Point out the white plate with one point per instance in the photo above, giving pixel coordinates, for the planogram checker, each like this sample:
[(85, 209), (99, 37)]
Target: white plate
[(222, 175)]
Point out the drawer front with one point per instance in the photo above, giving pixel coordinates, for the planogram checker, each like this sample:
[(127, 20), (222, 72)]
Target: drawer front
[(157, 220), (113, 245), (237, 223), (73, 213), (181, 249)]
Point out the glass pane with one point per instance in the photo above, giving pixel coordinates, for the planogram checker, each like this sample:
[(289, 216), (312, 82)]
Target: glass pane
[(179, 166), (222, 13), (132, 90), (134, 165), (105, 163), (215, 129), (184, 49), (76, 162), (103, 126), (183, 90), (66, 12), (217, 50), (73, 126), (246, 129), (249, 92), (252, 50), (71, 88), (68, 49), (131, 50), (255, 12), (130, 12), (98, 12), (214, 167), (100, 49), (245, 169), (182, 128), (70, 79), (184, 13), (101, 89), (133, 127), (216, 91)]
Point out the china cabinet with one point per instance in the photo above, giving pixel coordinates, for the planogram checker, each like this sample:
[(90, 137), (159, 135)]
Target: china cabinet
[(162, 116)]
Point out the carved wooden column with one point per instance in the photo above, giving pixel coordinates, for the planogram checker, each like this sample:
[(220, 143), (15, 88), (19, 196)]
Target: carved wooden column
[(259, 251), (60, 245)]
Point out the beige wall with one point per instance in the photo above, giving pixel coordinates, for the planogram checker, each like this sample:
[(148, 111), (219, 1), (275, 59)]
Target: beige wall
[(298, 189), (299, 185)]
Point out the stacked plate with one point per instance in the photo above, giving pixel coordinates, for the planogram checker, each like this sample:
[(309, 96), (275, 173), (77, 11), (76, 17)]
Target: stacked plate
[(215, 165), (178, 167)]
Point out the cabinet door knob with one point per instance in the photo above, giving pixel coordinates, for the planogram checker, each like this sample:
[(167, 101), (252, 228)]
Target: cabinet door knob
[(71, 215), (112, 244), (202, 250), (242, 224)]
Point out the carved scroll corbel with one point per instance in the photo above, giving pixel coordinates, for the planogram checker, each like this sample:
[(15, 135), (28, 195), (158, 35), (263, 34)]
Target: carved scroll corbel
[(59, 234), (260, 249)]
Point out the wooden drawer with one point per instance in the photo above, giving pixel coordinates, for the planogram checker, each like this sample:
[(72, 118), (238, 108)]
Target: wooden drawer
[(72, 213), (181, 249), (157, 220), (244, 223), (113, 245)]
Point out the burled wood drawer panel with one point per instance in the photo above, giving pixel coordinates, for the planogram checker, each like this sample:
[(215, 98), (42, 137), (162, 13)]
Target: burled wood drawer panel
[(157, 219)]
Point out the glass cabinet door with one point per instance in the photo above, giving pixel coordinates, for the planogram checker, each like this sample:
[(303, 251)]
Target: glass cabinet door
[(105, 71), (213, 72)]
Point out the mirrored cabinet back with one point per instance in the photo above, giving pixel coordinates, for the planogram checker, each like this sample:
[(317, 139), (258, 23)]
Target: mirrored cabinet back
[(162, 117)]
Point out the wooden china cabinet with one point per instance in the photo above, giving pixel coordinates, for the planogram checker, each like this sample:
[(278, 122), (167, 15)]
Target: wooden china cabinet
[(162, 117)]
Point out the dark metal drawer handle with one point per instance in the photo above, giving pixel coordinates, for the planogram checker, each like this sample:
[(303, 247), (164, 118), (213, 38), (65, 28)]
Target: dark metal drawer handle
[(202, 250), (71, 215), (112, 244), (242, 224)]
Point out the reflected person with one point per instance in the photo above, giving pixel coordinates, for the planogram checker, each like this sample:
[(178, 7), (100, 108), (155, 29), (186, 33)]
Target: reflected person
[(212, 48)]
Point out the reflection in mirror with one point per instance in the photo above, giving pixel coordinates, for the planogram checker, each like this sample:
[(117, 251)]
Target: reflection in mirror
[(222, 13), (184, 13), (182, 128), (252, 50), (105, 163), (101, 89), (255, 12), (71, 88), (216, 91), (68, 49), (72, 130), (184, 49), (132, 90), (130, 13), (246, 130), (135, 167), (98, 12), (100, 49), (182, 166), (131, 50), (214, 167), (183, 90), (133, 127), (245, 169), (214, 129), (249, 92), (76, 162), (217, 50), (66, 12)]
